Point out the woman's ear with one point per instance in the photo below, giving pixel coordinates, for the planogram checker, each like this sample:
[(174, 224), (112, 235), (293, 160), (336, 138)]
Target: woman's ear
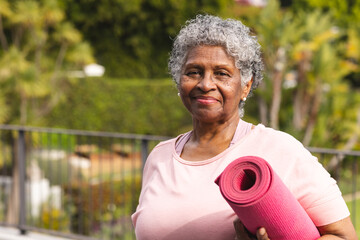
[(246, 89)]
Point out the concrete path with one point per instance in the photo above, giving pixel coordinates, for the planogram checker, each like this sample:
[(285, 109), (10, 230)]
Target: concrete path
[(8, 233)]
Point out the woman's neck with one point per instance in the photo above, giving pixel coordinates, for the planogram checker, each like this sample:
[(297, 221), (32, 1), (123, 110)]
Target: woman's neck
[(214, 133), (208, 131), (208, 140)]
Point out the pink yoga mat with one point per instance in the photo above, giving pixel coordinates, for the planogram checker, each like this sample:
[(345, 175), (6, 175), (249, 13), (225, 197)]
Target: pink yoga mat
[(260, 199)]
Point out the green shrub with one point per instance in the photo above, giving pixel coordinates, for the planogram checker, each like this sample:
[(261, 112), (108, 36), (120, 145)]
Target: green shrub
[(123, 105)]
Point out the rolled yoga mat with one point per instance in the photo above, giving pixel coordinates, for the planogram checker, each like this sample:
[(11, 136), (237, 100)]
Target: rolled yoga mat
[(260, 199)]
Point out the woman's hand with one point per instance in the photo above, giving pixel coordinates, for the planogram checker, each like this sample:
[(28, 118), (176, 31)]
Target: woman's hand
[(243, 234)]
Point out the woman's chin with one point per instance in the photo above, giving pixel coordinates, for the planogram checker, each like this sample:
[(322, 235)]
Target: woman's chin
[(208, 117)]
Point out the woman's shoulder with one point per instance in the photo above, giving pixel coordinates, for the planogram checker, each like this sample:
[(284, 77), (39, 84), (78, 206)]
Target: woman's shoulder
[(164, 146), (278, 147), (269, 135), (165, 143)]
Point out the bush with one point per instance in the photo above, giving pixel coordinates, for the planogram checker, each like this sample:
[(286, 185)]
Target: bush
[(119, 105)]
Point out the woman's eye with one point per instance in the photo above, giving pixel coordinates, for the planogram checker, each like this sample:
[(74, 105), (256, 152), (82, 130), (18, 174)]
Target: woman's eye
[(193, 73), (222, 74)]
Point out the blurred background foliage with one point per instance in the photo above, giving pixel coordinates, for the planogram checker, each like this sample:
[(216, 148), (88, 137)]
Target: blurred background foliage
[(311, 49)]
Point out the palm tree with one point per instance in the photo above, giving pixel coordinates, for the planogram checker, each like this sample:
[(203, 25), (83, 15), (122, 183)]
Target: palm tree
[(310, 47), (318, 59), (277, 32)]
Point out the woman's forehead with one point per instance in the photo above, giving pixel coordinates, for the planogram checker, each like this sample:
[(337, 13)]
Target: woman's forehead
[(205, 53)]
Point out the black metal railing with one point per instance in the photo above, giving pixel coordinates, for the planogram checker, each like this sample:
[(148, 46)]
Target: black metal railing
[(343, 165), (76, 184), (85, 185)]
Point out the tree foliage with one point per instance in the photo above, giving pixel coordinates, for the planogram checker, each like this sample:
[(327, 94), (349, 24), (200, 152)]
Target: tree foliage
[(35, 57), (133, 38), (311, 51), (345, 12), (308, 58)]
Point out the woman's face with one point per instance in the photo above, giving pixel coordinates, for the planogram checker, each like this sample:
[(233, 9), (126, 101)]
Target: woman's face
[(210, 84)]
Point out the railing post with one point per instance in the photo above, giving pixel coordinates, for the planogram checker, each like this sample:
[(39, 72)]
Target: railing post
[(22, 171), (144, 151), (354, 190)]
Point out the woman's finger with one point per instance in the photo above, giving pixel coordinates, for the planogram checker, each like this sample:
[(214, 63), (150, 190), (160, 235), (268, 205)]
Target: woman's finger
[(261, 234), (241, 232)]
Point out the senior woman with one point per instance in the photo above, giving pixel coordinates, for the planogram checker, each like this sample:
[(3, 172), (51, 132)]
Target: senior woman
[(216, 64)]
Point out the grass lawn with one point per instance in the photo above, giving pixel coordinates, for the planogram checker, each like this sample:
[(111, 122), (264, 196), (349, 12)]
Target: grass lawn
[(355, 216)]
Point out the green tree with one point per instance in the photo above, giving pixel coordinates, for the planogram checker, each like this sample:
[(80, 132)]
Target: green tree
[(307, 62), (276, 34), (4, 11), (321, 62), (132, 39), (35, 41), (345, 12)]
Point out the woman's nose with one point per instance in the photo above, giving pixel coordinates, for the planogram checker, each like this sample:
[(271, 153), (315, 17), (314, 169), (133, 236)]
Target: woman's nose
[(207, 82)]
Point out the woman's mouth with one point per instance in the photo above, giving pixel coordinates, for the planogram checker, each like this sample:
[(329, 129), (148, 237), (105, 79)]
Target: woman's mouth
[(205, 100)]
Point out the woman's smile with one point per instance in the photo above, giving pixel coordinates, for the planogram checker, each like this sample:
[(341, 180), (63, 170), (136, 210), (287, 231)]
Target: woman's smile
[(205, 100)]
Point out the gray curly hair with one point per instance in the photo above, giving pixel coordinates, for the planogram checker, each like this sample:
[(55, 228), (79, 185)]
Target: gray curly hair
[(231, 34)]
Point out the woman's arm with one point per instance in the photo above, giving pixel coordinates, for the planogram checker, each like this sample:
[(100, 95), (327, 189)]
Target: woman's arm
[(342, 229)]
